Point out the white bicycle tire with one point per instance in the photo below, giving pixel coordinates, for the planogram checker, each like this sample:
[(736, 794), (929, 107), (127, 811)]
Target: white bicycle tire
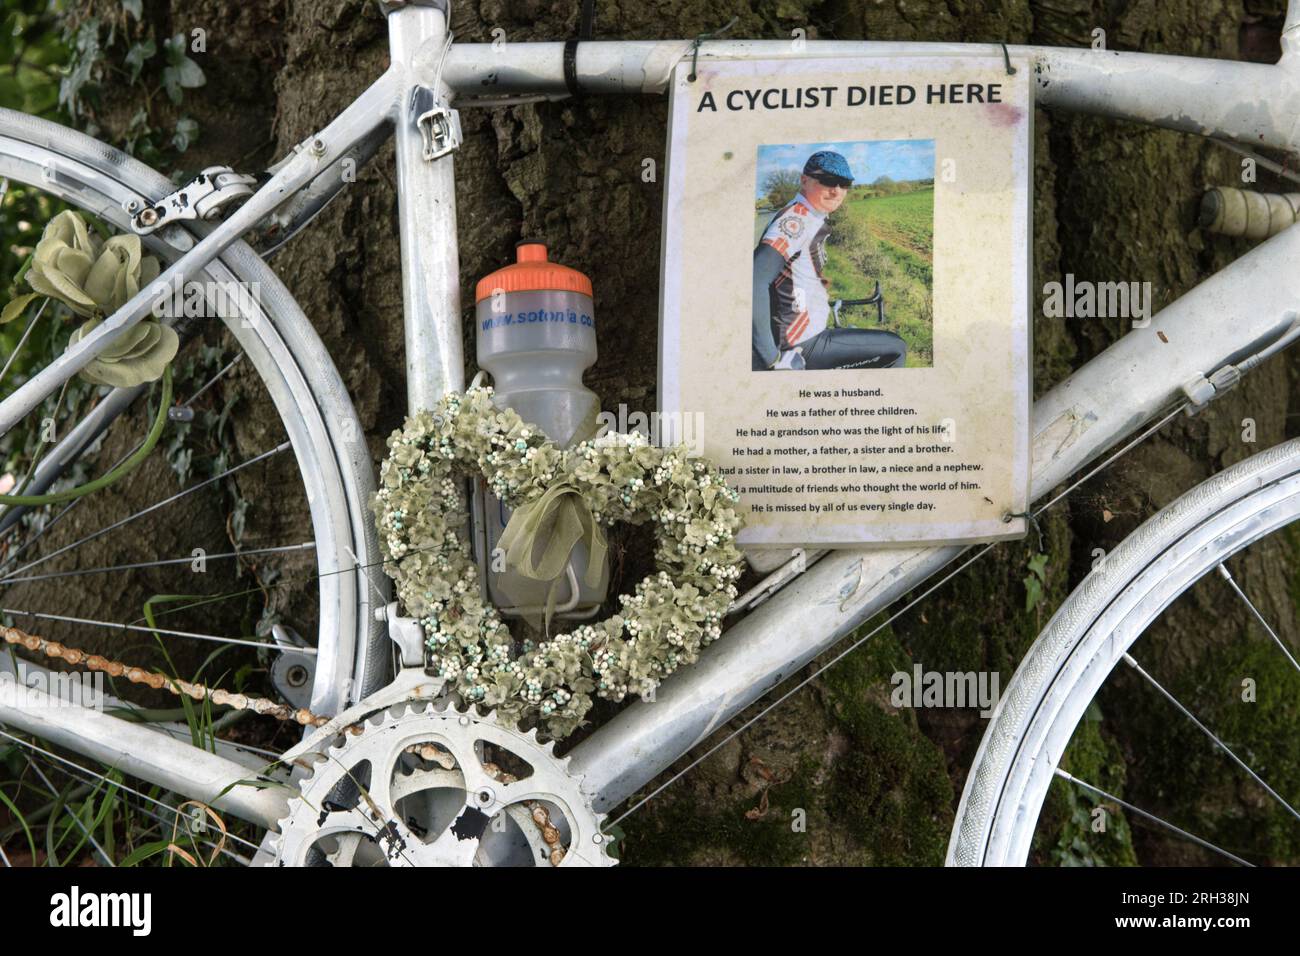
[(1089, 634), (292, 363)]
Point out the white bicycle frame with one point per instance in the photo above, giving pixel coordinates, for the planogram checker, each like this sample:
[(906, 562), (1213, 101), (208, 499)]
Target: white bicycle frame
[(1244, 309)]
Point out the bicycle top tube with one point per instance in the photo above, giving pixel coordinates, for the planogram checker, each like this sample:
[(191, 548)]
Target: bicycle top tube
[(1252, 102)]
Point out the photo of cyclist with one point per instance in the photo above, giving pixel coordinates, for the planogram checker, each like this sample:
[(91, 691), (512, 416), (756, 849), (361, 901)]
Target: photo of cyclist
[(791, 305)]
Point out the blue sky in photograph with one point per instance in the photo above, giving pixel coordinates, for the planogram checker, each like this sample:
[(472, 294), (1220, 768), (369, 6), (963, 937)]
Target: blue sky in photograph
[(899, 159)]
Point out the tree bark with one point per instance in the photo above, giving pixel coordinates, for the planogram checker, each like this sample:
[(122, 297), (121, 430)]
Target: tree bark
[(1112, 202)]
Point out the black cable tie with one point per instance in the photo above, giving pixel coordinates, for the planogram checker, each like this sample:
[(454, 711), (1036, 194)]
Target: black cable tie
[(571, 65), (695, 45), (1006, 58), (585, 27), (1033, 520)]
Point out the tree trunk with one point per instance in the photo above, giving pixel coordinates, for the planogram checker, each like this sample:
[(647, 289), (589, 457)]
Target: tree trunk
[(1112, 202)]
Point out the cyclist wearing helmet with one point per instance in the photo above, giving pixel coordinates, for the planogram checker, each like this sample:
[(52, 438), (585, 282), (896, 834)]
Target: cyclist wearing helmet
[(791, 309)]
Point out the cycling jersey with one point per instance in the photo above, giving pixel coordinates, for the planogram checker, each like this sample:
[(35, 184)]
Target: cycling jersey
[(800, 307)]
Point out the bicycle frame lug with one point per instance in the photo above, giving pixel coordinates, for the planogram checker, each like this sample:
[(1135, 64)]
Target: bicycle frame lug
[(204, 197)]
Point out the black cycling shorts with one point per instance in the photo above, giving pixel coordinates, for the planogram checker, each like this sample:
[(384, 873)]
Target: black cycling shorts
[(854, 348)]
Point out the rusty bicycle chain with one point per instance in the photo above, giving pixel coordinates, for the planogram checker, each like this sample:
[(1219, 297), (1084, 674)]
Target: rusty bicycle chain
[(259, 705), (159, 681)]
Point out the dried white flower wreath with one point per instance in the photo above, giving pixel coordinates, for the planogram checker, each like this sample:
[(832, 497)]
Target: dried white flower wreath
[(673, 614)]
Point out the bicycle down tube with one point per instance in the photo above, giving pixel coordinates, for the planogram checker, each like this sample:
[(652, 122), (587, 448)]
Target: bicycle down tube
[(1102, 403)]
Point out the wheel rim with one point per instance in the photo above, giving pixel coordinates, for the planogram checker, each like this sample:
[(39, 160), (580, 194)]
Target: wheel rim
[(337, 510), (1036, 718), (312, 407)]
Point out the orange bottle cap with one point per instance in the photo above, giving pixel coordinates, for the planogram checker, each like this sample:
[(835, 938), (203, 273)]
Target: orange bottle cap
[(531, 272)]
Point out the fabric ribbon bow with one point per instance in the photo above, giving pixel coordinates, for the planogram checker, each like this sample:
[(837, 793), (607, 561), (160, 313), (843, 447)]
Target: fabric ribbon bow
[(561, 517)]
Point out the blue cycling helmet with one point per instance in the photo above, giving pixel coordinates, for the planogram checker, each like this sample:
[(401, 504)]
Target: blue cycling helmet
[(827, 162)]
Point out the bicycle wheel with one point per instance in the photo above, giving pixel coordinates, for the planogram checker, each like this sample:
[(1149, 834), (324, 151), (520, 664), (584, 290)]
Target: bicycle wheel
[(317, 421), (1093, 631)]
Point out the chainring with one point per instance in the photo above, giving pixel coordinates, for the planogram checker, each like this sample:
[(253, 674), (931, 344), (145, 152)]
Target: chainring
[(430, 785)]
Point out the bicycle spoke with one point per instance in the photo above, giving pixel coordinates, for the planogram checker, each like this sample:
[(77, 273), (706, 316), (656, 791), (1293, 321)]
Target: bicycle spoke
[(1205, 730), (151, 630), (99, 776), (22, 486), (75, 819), (284, 446), (1129, 446), (51, 523), (305, 396), (224, 851), (152, 815), (1153, 818), (1223, 570), (799, 686), (4, 372), (239, 356), (280, 549), (9, 561), (358, 566)]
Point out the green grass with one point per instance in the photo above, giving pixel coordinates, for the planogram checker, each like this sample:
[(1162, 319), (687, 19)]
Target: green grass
[(889, 239), (904, 220)]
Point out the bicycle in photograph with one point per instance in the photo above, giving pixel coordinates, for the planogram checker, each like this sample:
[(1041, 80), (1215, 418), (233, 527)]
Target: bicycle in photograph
[(390, 767)]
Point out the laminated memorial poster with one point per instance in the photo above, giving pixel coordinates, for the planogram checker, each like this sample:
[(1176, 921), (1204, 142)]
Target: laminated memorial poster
[(845, 318)]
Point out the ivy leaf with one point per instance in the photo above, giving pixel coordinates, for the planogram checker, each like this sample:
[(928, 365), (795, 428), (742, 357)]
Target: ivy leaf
[(187, 130), (1033, 592), (134, 7), (181, 72), (138, 54), (83, 65), (1034, 581), (137, 131), (1038, 565)]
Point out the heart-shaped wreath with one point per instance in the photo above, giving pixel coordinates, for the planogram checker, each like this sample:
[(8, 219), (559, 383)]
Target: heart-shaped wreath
[(673, 614)]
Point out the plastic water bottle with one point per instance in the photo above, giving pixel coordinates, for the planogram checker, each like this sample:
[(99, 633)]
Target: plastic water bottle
[(536, 336)]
